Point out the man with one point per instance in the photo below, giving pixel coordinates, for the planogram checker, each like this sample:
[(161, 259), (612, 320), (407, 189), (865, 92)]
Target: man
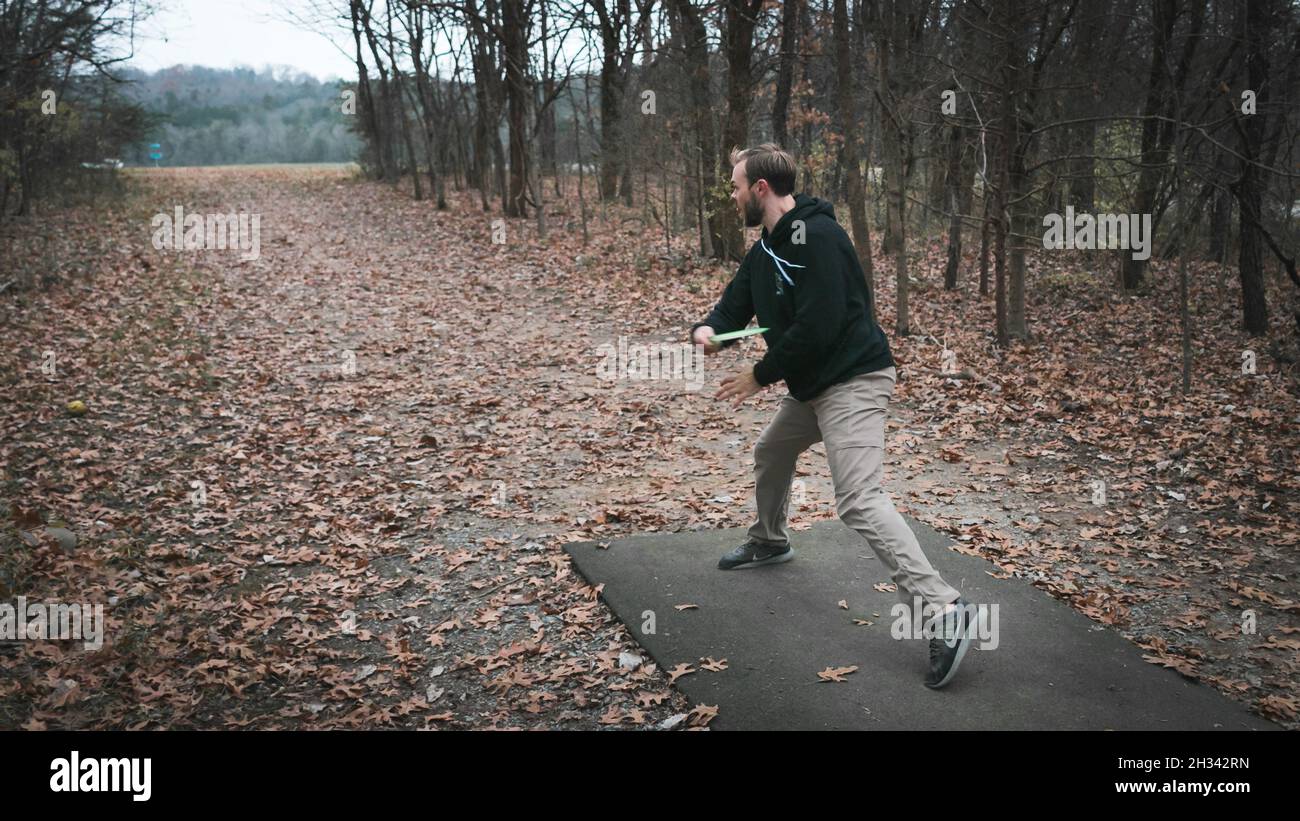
[(803, 280)]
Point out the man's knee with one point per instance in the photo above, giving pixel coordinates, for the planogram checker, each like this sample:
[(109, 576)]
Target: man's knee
[(768, 453), (858, 503)]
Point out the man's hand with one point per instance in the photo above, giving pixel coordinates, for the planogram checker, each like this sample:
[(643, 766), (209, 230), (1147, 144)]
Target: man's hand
[(742, 386), (702, 336)]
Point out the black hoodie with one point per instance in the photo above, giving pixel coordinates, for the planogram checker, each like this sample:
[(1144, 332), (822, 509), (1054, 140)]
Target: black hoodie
[(806, 285)]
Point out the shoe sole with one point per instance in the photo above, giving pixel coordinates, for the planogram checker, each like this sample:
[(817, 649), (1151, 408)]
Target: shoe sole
[(784, 557), (962, 647)]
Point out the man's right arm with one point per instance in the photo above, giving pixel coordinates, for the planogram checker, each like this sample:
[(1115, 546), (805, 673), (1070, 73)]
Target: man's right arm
[(734, 310)]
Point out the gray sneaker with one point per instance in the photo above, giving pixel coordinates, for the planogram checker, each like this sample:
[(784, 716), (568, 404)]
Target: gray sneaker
[(949, 648), (753, 554)]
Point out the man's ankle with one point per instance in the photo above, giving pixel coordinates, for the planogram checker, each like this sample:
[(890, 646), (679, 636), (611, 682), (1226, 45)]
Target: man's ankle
[(949, 607)]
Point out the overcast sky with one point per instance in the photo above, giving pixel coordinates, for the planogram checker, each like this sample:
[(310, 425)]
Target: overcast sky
[(255, 33)]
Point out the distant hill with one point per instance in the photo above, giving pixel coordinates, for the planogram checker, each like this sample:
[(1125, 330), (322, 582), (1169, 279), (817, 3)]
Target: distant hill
[(211, 116)]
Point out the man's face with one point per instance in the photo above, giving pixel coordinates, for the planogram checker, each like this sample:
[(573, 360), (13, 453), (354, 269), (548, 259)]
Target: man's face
[(748, 200)]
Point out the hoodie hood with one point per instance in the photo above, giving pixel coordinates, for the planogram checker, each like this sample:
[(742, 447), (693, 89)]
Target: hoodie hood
[(804, 208)]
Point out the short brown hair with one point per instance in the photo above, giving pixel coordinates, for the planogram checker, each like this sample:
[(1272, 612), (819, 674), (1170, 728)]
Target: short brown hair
[(768, 162)]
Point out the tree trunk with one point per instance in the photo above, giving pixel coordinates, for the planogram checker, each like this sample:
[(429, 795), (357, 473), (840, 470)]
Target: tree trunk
[(695, 42), (428, 107), (383, 109), (1018, 216), (741, 17), (400, 107), (1220, 225), (890, 45), (790, 13), (366, 93), (847, 115), (612, 86), (986, 228), (514, 30), (1157, 131), (955, 182), (1249, 186), (1005, 139)]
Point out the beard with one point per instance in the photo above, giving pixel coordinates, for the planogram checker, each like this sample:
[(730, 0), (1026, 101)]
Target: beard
[(753, 214)]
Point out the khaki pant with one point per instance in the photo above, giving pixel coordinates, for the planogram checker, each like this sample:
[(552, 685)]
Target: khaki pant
[(850, 417)]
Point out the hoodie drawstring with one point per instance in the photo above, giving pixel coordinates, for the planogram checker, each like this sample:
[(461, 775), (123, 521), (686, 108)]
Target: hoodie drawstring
[(780, 262)]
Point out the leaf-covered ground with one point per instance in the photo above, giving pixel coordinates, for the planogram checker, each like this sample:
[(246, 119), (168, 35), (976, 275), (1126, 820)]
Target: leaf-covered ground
[(329, 487)]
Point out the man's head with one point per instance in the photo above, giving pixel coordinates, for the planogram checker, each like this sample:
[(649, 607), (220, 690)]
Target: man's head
[(760, 176)]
